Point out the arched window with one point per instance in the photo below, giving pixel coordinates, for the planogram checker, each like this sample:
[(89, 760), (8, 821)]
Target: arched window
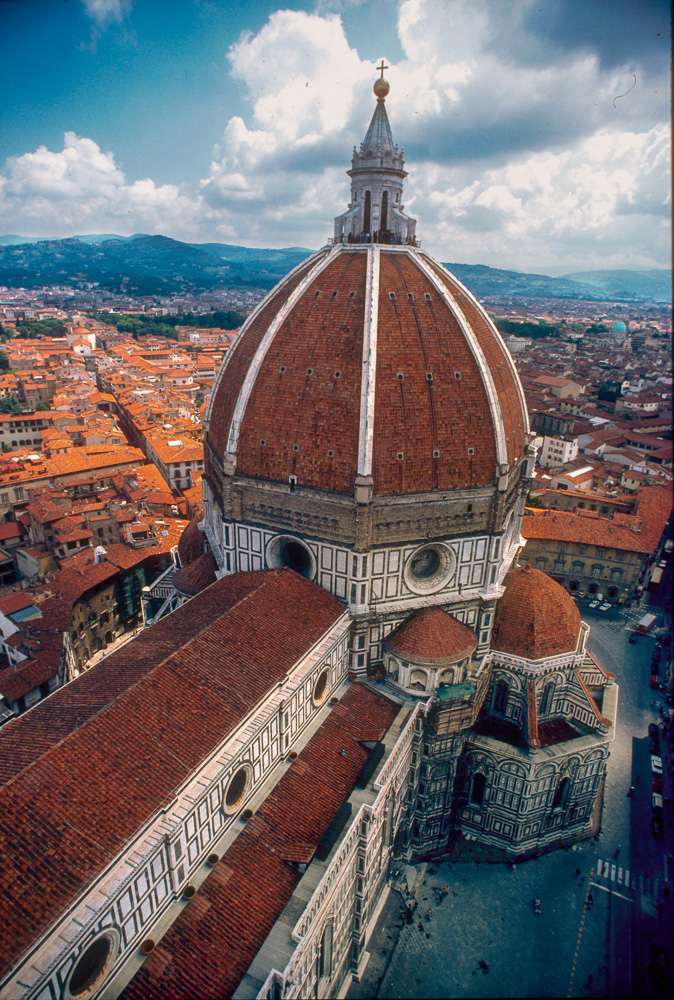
[(325, 956), (383, 223), (366, 213), (500, 699), (561, 794), (546, 699), (477, 789)]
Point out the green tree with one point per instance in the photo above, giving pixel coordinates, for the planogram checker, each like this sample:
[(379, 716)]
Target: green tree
[(42, 406), (4, 362), (10, 404)]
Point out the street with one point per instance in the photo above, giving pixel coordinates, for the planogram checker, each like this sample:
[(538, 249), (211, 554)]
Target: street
[(601, 899)]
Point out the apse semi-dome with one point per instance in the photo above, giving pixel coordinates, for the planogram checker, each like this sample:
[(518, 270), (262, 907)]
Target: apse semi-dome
[(369, 361), (432, 637), (536, 617)]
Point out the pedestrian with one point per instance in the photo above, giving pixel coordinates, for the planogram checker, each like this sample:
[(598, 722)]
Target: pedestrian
[(617, 851)]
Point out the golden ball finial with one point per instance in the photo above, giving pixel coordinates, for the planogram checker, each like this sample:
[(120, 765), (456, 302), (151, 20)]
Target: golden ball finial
[(381, 88)]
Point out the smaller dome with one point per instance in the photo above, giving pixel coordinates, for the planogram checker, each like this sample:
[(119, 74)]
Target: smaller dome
[(191, 542), (536, 617), (619, 327), (196, 576), (432, 636)]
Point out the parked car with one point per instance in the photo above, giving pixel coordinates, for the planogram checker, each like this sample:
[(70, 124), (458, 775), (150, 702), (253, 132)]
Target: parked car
[(593, 604), (657, 655), (581, 594), (634, 636), (654, 731), (656, 764), (656, 784), (605, 606), (655, 682), (653, 745), (657, 827)]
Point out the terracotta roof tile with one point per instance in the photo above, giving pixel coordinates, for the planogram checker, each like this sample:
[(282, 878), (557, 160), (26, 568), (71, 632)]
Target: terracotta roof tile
[(210, 948), (535, 617), (432, 636), (196, 576), (146, 702), (581, 527)]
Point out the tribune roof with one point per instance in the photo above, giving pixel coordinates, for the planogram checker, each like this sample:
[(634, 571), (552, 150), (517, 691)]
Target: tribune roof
[(535, 618)]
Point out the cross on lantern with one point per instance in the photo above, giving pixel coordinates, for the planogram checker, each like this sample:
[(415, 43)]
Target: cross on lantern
[(382, 68)]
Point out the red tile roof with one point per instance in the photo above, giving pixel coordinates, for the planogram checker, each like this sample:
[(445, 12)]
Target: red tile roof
[(535, 617), (167, 698), (432, 636), (211, 945), (582, 527)]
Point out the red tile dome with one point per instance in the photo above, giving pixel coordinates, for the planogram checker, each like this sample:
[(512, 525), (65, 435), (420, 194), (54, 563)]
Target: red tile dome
[(193, 578), (536, 617), (191, 542), (432, 636), (369, 361)]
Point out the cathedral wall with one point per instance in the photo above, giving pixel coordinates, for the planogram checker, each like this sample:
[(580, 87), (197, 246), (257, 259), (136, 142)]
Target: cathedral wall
[(332, 933), (144, 888), (380, 584), (522, 805)]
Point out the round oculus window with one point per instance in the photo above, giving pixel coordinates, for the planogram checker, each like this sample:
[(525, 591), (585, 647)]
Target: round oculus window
[(429, 568), (320, 688), (287, 550), (236, 790), (92, 965)]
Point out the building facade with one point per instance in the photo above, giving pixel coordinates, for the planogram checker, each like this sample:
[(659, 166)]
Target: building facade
[(354, 672)]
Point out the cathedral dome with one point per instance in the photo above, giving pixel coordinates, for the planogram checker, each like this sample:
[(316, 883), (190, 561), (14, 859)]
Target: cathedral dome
[(535, 618), (369, 361), (433, 637)]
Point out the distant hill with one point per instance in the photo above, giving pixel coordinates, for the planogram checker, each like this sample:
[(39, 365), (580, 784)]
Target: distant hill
[(147, 265), (486, 281), (144, 265), (91, 238), (653, 286)]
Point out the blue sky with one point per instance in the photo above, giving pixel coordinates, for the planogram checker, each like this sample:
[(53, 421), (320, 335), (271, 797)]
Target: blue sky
[(536, 132)]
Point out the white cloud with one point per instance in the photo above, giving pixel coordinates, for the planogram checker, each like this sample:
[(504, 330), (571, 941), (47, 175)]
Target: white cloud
[(104, 12), (603, 203), (517, 154), (80, 189)]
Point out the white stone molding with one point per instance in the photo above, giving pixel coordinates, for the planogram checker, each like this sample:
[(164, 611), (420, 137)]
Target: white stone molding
[(369, 370)]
